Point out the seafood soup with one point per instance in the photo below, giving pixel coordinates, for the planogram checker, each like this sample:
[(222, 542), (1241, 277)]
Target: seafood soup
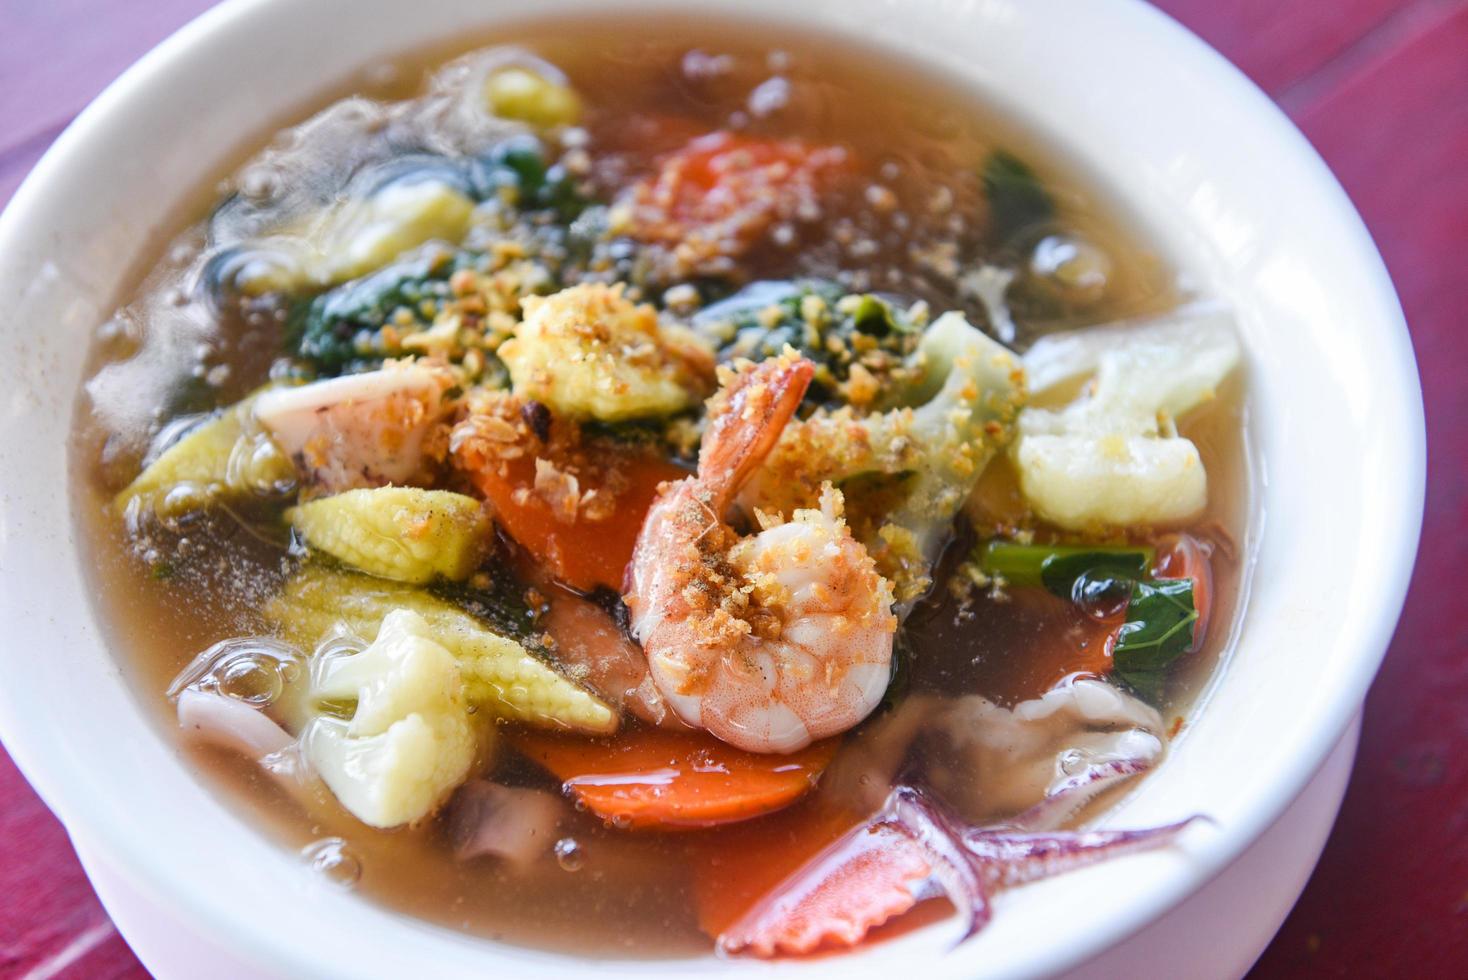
[(641, 488)]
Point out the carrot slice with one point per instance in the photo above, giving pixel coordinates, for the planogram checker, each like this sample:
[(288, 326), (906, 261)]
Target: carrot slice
[(582, 553), (736, 868), (649, 778)]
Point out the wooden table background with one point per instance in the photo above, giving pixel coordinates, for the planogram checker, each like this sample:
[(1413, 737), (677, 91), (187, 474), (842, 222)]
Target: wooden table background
[(1381, 88)]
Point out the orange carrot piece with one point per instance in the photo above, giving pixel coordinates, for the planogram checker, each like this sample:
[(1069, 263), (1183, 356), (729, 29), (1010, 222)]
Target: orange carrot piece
[(582, 553), (649, 778), (736, 868)]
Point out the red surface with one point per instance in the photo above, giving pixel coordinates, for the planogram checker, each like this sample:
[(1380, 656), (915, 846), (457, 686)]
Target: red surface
[(1381, 88)]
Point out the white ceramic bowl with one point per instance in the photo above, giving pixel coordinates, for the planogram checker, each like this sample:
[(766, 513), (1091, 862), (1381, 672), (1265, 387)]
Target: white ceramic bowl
[(1211, 169)]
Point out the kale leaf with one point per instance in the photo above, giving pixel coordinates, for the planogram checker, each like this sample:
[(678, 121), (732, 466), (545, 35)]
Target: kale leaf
[(1158, 628)]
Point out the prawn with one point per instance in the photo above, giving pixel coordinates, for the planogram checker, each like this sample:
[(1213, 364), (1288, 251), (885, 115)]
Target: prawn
[(769, 641)]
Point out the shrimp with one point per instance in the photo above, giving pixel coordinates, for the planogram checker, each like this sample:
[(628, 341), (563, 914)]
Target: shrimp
[(769, 641)]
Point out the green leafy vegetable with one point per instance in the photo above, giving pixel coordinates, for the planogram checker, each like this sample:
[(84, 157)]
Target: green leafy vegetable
[(1147, 683), (875, 316), (341, 329), (771, 306), (1160, 614), (1058, 567), (1017, 200), (834, 329), (1158, 629), (496, 601), (1159, 624), (517, 168)]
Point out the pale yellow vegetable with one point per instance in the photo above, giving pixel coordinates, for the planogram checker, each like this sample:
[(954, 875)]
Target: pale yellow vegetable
[(526, 95), (1091, 482), (588, 352), (498, 672), (364, 235), (228, 457), (410, 741), (1112, 456), (402, 533), (355, 236)]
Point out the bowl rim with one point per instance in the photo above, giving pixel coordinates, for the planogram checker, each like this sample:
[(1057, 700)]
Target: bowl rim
[(1400, 515)]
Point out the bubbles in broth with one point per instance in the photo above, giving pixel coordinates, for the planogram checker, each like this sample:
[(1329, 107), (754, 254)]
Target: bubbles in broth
[(380, 468)]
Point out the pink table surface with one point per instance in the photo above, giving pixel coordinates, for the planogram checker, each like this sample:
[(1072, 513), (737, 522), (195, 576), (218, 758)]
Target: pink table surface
[(1381, 88)]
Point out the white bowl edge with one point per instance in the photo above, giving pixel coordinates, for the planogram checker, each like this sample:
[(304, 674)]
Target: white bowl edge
[(1240, 211)]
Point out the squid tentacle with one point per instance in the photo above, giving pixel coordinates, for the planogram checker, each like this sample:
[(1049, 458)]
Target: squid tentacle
[(926, 843)]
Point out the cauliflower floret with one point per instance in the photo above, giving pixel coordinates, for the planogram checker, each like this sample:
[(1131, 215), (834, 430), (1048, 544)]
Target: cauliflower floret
[(1113, 458), (589, 353), (1082, 481), (409, 742), (927, 452), (397, 777)]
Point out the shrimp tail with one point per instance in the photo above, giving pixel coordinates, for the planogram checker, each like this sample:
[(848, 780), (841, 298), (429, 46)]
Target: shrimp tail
[(748, 416)]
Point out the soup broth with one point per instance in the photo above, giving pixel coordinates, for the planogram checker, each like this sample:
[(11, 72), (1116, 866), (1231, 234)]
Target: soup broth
[(909, 215)]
